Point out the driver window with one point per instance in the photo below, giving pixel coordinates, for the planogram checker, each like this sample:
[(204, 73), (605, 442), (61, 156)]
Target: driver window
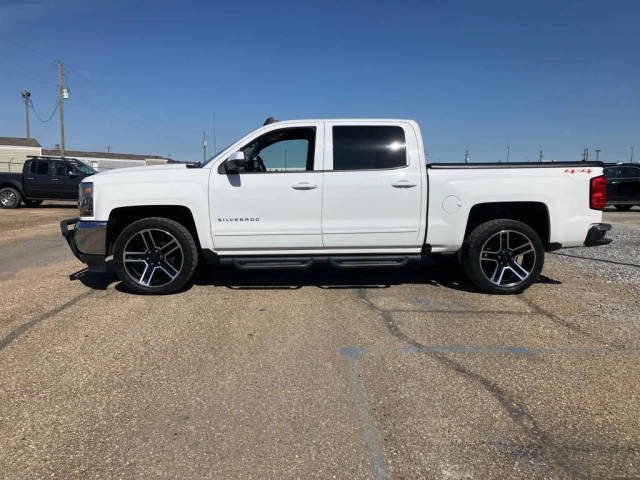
[(285, 150), (63, 169)]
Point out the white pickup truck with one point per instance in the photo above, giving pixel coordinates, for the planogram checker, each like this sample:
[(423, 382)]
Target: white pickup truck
[(348, 193)]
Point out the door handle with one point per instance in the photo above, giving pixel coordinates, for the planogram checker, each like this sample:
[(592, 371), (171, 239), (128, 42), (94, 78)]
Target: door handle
[(55, 179), (30, 178), (304, 186), (403, 184)]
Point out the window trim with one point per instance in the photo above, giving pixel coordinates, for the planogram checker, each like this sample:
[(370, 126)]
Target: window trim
[(311, 151)]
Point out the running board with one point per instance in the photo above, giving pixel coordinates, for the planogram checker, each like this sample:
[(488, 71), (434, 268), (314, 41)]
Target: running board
[(338, 261)]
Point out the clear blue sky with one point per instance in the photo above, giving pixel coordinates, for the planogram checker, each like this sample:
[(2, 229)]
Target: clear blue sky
[(146, 77)]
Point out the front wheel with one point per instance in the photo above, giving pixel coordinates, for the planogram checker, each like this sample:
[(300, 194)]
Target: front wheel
[(9, 197), (623, 208), (155, 256), (503, 256)]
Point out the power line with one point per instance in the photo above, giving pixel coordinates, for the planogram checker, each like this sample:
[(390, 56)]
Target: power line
[(38, 116)]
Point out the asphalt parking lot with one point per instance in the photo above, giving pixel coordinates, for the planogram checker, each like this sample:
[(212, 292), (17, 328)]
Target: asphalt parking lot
[(379, 374)]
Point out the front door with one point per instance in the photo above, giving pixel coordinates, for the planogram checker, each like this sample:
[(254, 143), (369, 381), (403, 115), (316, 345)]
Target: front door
[(275, 203), (65, 181), (372, 186)]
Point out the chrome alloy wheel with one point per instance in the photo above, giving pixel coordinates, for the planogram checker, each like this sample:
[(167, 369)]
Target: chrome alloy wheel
[(7, 198), (153, 257), (507, 258)]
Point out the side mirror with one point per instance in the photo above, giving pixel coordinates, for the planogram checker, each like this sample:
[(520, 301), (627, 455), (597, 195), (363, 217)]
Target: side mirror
[(235, 163)]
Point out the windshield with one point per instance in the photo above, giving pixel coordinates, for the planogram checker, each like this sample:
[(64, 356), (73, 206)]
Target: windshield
[(83, 167)]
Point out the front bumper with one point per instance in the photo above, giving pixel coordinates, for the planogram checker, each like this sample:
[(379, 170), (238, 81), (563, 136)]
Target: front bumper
[(595, 235), (87, 241)]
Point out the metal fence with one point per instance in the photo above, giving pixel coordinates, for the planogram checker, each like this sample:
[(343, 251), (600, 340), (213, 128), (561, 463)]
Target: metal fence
[(11, 167)]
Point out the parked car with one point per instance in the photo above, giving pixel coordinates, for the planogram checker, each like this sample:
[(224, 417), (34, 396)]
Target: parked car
[(623, 185), (347, 193), (43, 178)]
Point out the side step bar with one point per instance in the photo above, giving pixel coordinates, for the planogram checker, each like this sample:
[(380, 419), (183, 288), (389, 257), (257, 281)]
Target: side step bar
[(338, 261)]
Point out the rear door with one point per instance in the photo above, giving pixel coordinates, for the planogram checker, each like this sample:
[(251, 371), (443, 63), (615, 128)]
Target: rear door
[(373, 190), (64, 181), (36, 179)]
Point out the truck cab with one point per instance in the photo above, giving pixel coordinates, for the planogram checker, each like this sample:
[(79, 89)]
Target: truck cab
[(43, 178)]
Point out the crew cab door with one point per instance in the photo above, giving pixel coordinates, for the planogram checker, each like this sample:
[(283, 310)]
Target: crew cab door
[(36, 179), (373, 186), (276, 201), (64, 181)]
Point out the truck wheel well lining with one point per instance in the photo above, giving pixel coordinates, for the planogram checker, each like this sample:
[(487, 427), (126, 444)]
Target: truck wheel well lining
[(534, 214), (120, 218)]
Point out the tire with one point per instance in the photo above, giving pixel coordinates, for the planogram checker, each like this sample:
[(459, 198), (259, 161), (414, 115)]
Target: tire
[(9, 197), (158, 265), (623, 208), (517, 264), (32, 203)]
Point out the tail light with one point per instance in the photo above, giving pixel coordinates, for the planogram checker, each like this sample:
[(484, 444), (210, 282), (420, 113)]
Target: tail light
[(598, 193)]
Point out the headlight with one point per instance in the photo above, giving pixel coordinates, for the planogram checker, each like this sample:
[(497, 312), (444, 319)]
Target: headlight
[(85, 199)]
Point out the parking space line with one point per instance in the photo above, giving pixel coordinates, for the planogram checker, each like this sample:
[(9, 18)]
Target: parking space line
[(369, 431), (496, 350), (371, 435)]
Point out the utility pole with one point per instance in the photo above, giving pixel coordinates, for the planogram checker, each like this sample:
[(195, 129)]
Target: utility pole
[(540, 158), (466, 156), (598, 150), (26, 94), (508, 152), (631, 153), (215, 146), (585, 155), (60, 107), (204, 147), (108, 149)]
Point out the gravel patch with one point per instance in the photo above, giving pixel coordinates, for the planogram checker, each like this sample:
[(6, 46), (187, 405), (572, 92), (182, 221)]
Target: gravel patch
[(617, 262)]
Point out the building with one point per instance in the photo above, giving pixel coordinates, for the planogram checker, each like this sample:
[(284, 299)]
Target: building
[(14, 151), (102, 161)]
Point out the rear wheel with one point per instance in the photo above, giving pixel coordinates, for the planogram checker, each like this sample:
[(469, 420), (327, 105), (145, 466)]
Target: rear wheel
[(623, 208), (32, 203), (9, 197), (503, 256), (155, 256)]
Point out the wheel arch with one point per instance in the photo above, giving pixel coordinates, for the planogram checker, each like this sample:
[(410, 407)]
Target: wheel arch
[(534, 214), (120, 218), (12, 184)]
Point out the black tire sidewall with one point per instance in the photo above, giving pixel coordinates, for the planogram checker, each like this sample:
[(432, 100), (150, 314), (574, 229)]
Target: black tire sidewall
[(18, 197), (473, 246), (182, 235)]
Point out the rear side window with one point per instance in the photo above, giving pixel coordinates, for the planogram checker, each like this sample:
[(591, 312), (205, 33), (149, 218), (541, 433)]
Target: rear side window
[(39, 168), (368, 147), (610, 172)]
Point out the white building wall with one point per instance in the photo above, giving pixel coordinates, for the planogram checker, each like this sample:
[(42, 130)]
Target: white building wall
[(103, 164), (13, 157)]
